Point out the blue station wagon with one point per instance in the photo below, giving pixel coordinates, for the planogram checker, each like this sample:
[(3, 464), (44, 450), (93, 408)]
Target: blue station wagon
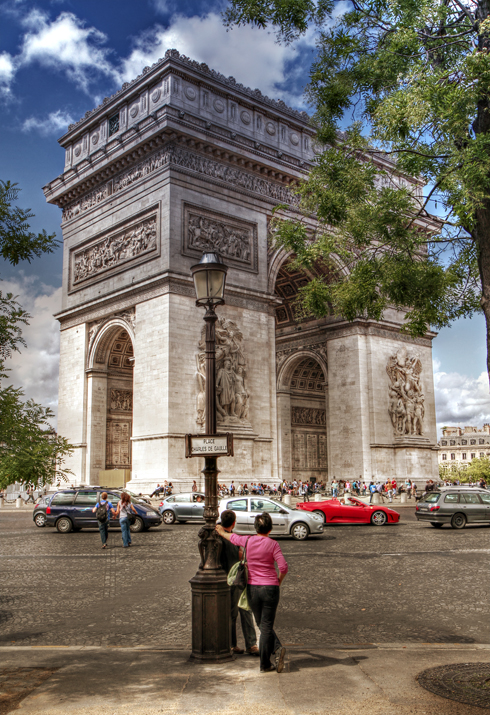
[(71, 510)]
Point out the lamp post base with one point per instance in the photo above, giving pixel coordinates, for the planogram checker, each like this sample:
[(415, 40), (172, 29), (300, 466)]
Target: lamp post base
[(211, 617)]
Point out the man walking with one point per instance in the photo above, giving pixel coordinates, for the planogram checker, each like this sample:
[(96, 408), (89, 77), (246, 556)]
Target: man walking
[(230, 554), (335, 488), (102, 510), (372, 490)]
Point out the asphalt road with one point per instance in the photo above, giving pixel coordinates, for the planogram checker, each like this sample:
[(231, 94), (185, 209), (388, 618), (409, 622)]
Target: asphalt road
[(355, 584)]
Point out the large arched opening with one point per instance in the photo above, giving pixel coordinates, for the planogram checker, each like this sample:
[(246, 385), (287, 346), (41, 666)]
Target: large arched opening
[(302, 385)]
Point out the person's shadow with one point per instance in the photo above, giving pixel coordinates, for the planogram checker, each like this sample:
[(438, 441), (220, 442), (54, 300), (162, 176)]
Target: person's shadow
[(317, 660)]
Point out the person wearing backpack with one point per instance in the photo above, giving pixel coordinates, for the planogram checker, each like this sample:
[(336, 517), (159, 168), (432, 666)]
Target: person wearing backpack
[(102, 510)]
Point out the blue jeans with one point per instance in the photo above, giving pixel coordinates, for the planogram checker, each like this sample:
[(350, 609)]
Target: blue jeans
[(125, 532), (104, 531), (264, 601)]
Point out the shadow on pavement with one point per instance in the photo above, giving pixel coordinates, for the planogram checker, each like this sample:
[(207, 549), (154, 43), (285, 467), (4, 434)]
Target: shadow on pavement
[(317, 660)]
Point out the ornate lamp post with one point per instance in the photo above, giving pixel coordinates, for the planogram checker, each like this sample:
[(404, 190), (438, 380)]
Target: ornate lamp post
[(211, 608)]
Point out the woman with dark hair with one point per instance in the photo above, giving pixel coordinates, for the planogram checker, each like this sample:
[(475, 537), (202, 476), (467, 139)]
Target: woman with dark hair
[(263, 586), (123, 509)]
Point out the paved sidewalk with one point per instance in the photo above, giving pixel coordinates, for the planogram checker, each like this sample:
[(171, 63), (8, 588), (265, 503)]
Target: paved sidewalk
[(365, 679)]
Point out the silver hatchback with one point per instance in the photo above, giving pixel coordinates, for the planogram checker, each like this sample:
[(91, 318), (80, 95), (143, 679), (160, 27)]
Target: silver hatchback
[(457, 506), (182, 508), (285, 521)]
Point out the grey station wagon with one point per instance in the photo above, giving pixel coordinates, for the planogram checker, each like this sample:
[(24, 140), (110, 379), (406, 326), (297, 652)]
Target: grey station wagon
[(457, 506)]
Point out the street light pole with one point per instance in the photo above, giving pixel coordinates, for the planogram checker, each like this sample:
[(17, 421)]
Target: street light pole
[(211, 606)]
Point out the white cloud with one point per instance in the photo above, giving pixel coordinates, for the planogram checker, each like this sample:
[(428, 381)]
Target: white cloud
[(7, 72), (53, 124), (35, 369), (65, 44), (248, 54), (461, 400)]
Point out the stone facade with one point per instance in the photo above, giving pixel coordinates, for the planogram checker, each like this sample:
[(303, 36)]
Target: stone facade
[(459, 445), (179, 161)]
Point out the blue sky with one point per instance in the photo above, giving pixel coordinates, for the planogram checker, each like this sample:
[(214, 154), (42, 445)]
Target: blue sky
[(59, 58)]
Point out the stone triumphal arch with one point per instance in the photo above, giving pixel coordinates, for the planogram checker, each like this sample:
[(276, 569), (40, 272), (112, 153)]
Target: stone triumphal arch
[(180, 161)]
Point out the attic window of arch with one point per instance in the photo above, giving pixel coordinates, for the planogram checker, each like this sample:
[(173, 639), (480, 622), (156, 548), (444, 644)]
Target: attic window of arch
[(114, 124)]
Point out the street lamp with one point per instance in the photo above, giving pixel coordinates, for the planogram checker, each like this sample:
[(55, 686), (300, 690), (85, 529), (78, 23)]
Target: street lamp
[(211, 607)]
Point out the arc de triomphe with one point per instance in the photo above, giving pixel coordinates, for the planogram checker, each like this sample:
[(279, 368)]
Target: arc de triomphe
[(179, 161)]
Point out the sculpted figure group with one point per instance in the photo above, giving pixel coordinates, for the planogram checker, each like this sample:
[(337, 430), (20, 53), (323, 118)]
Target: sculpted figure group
[(232, 395), (115, 249), (208, 234), (406, 407)]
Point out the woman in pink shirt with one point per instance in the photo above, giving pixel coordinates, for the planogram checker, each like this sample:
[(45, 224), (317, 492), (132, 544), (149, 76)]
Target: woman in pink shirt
[(263, 586)]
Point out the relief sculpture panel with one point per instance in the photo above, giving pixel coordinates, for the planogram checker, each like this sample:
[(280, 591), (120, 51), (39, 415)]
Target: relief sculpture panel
[(234, 239), (135, 241), (232, 403), (121, 400), (308, 416), (406, 398)]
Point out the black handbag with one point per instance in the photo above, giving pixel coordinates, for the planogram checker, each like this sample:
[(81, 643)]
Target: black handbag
[(241, 578), (131, 518)]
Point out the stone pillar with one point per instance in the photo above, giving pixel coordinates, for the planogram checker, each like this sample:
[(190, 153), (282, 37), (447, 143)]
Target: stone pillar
[(96, 423), (72, 397), (284, 443)]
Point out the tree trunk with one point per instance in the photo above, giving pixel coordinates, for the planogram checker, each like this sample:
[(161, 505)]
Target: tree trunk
[(481, 235)]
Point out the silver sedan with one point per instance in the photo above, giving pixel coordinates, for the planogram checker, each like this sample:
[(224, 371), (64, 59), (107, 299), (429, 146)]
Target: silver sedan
[(182, 507), (285, 521)]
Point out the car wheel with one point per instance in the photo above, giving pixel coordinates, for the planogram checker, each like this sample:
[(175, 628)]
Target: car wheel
[(168, 516), (458, 521), (137, 526), (379, 518), (436, 524), (322, 514), (64, 525), (40, 520), (300, 532)]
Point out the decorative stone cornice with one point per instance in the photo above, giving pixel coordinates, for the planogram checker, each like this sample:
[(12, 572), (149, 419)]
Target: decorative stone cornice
[(216, 77)]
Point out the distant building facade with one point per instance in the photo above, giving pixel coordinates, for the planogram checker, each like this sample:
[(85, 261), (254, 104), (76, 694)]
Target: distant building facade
[(459, 445)]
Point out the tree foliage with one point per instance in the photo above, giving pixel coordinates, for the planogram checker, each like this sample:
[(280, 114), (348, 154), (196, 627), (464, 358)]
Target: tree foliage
[(399, 88), (30, 451)]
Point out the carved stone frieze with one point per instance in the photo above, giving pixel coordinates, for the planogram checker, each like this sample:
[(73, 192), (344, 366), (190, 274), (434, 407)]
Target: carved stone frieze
[(232, 402), (134, 241), (234, 239), (308, 416), (177, 156), (121, 400), (406, 398)]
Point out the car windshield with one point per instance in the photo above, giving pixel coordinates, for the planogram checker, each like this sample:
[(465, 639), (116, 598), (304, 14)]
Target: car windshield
[(431, 498)]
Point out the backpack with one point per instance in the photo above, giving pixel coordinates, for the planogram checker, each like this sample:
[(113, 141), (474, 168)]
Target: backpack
[(101, 512)]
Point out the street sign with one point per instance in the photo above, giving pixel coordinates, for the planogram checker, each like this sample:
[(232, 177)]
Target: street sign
[(209, 445)]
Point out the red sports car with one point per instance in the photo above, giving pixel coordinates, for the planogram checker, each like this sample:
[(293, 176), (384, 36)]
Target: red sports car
[(349, 510)]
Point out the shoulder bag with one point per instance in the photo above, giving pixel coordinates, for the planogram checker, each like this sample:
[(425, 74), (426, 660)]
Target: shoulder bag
[(241, 575)]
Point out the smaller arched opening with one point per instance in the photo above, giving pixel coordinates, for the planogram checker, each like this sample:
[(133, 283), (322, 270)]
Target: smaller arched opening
[(303, 417), (110, 401)]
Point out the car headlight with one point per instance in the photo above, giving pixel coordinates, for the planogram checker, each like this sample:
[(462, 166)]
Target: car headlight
[(316, 516)]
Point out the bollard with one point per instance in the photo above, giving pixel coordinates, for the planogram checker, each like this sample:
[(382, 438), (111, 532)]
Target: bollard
[(18, 502), (403, 498), (318, 497), (287, 499), (376, 498), (2, 502)]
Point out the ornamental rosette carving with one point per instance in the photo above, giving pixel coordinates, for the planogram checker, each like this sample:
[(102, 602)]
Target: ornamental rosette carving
[(406, 398)]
